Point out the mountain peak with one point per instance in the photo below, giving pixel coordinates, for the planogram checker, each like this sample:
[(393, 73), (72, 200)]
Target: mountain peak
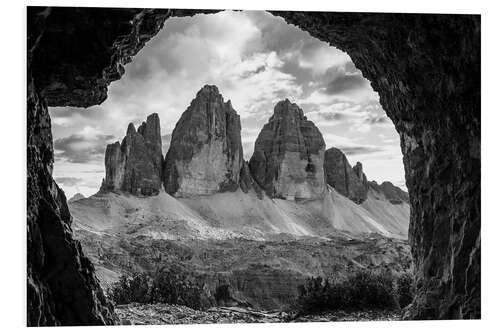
[(130, 128), (135, 165), (346, 180), (209, 130), (285, 108), (208, 90), (288, 157)]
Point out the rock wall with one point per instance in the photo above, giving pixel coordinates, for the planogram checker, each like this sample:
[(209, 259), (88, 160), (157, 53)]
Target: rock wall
[(288, 157), (72, 55), (428, 76), (135, 165), (341, 176), (205, 154)]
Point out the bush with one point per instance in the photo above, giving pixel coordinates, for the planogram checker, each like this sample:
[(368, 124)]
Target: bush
[(369, 290), (172, 285), (131, 289), (361, 290), (176, 286), (405, 289)]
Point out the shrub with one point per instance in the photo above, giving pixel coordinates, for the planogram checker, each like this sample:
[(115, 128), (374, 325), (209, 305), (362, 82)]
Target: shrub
[(405, 289), (176, 286), (172, 285), (370, 290), (131, 289), (361, 290)]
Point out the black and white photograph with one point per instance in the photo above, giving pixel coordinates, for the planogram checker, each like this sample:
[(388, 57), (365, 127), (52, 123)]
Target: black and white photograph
[(223, 165)]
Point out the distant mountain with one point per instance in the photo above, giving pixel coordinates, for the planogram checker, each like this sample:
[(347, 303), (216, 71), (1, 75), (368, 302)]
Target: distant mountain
[(205, 155), (287, 161), (135, 164), (260, 228), (76, 197)]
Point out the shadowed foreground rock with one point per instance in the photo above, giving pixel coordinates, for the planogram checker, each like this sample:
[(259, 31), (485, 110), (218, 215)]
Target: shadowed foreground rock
[(73, 54), (426, 71), (427, 74)]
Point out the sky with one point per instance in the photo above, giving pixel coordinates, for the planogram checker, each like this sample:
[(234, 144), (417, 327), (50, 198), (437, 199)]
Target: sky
[(256, 60)]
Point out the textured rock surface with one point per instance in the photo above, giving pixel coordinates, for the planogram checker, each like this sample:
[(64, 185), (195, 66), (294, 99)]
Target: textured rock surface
[(61, 284), (341, 176), (73, 54), (427, 74), (288, 157), (161, 314), (135, 165), (205, 154)]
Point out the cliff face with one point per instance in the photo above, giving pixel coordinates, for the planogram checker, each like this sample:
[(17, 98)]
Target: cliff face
[(135, 165), (348, 181), (418, 70), (288, 157), (205, 154)]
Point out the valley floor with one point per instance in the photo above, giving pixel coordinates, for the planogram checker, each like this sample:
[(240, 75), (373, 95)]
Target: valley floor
[(161, 314)]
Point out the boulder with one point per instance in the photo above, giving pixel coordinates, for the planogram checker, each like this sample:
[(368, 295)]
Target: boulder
[(288, 157), (205, 154)]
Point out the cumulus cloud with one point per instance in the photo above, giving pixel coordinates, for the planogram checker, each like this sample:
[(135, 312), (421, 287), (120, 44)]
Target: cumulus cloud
[(360, 150), (346, 83), (68, 181), (83, 147), (256, 60)]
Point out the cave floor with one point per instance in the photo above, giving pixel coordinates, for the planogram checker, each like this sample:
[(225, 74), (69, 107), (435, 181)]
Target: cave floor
[(168, 314)]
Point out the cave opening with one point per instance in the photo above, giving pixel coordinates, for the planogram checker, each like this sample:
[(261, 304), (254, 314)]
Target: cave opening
[(418, 132)]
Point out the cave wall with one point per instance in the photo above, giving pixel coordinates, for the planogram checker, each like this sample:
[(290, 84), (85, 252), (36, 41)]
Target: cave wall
[(426, 69), (73, 54)]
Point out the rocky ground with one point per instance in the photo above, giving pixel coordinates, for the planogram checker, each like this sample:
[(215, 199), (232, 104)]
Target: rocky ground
[(161, 314)]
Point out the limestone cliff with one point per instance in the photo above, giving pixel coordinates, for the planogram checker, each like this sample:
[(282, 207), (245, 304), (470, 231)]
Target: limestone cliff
[(205, 154), (135, 165), (348, 181), (288, 157)]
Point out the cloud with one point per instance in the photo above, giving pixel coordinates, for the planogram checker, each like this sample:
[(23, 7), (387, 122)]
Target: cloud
[(346, 83), (255, 59), (83, 147), (360, 150), (68, 181)]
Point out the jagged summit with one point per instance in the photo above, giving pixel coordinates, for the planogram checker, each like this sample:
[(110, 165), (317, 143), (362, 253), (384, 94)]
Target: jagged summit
[(205, 154), (288, 157), (285, 108), (135, 165)]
